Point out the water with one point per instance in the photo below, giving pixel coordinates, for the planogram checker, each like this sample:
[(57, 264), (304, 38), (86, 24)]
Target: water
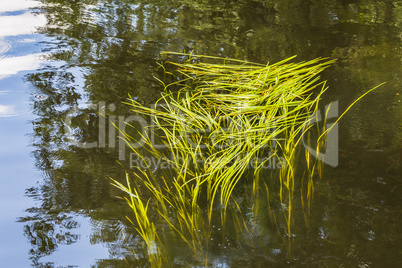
[(63, 62)]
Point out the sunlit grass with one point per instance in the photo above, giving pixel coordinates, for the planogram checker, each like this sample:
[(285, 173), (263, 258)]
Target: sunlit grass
[(217, 120)]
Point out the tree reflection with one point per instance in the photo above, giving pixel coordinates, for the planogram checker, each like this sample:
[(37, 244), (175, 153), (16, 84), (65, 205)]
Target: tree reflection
[(103, 50)]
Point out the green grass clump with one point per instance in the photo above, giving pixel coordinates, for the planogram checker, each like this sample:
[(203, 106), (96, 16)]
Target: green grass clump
[(219, 118), (230, 113)]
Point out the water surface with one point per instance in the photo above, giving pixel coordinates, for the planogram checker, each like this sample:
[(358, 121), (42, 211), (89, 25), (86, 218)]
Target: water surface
[(72, 59)]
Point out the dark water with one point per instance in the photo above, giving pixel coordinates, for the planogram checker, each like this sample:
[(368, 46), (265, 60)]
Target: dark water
[(58, 207)]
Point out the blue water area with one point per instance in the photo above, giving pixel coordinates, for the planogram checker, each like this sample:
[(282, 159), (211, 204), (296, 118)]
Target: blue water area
[(18, 170), (23, 44), (13, 13)]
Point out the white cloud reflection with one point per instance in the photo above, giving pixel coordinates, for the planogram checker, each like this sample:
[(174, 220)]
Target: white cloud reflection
[(20, 24), (11, 66), (16, 5), (7, 110)]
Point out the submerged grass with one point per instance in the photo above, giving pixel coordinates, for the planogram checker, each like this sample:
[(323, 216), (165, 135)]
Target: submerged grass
[(220, 119)]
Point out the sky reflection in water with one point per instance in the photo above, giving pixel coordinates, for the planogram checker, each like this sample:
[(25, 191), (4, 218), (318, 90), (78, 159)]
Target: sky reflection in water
[(20, 52)]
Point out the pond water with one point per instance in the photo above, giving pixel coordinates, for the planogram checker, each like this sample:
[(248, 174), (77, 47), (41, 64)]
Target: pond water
[(63, 62)]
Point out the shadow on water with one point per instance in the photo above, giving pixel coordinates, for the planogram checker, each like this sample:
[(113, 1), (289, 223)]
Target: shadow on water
[(102, 51)]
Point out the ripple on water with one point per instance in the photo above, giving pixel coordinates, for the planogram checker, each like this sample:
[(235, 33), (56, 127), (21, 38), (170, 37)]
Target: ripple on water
[(4, 47)]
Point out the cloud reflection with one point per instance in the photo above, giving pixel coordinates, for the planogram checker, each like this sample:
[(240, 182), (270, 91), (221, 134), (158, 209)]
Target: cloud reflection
[(11, 66), (16, 5), (20, 24), (7, 110)]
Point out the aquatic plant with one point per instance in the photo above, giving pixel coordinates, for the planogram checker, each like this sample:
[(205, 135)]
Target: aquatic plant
[(220, 120)]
